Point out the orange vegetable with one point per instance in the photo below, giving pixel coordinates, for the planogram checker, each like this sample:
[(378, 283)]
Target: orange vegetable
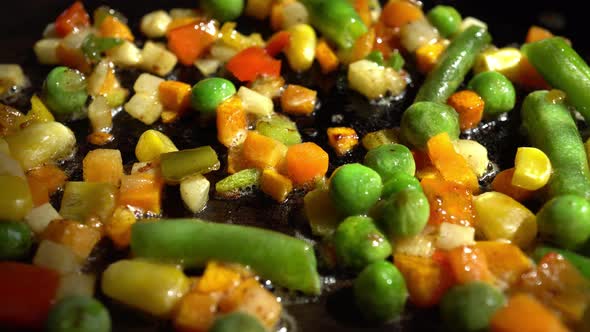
[(426, 278), (142, 191), (277, 43), (326, 57), (232, 122), (524, 313), (182, 21), (529, 77), (262, 152), (363, 45), (362, 8), (110, 82), (72, 19), (421, 159), (536, 33), (275, 185), (450, 164), (298, 100), (113, 28), (306, 162), (39, 191), (449, 202), (503, 183), (277, 12), (469, 264), (235, 159), (386, 39), (175, 96), (191, 41), (103, 165), (253, 62), (79, 237), (470, 107), (398, 13), (196, 312), (505, 260), (50, 175), (427, 56), (73, 58), (118, 227), (342, 139), (27, 293), (218, 277)]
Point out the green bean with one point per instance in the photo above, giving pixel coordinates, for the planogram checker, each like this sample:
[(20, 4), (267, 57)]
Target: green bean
[(285, 260), (358, 243), (390, 158), (446, 20), (179, 165), (565, 221), (82, 201), (425, 119), (550, 127), (496, 91), (93, 47), (223, 10), (207, 94), (355, 188), (237, 321), (405, 213), (15, 198), (453, 65), (79, 313), (15, 240), (235, 184), (65, 93), (280, 128)]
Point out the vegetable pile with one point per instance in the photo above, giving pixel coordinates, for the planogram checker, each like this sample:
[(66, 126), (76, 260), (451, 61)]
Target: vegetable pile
[(414, 215)]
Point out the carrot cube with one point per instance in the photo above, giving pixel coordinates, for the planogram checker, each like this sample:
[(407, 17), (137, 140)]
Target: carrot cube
[(262, 152), (103, 165), (298, 100)]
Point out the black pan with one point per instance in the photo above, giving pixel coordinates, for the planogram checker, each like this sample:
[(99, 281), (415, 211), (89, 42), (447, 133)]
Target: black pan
[(22, 24)]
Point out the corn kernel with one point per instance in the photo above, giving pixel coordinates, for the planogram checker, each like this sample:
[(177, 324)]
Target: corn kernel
[(301, 49), (152, 144), (504, 60), (532, 168), (342, 139), (275, 185)]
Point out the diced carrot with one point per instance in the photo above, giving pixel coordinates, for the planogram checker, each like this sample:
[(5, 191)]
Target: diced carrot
[(27, 294), (326, 57), (524, 313), (235, 159), (427, 279), (537, 33), (362, 8), (79, 237), (421, 159), (103, 165), (174, 95), (196, 312), (252, 298), (469, 264), (118, 227), (277, 43), (218, 277), (363, 45), (262, 152), (275, 185), (529, 77), (449, 202), (306, 162), (505, 260), (386, 39), (342, 139), (189, 42), (142, 191), (113, 28), (427, 56), (398, 13), (451, 164), (503, 183), (39, 191), (232, 122), (470, 107), (52, 176), (253, 62), (110, 82), (73, 58), (298, 100), (72, 19)]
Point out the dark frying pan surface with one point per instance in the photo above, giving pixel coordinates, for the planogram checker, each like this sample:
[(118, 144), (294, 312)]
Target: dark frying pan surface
[(23, 22)]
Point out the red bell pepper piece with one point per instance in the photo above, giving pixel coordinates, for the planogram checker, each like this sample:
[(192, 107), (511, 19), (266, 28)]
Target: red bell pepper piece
[(72, 19), (190, 41), (252, 62), (277, 43)]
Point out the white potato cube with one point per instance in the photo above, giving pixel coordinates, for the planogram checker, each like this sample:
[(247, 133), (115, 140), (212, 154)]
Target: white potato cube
[(147, 84), (451, 236), (183, 13), (157, 59), (294, 13), (46, 51), (195, 192), (419, 245), (374, 81), (255, 103), (57, 257), (222, 52), (474, 153), (40, 216), (207, 66), (417, 33), (76, 284), (155, 24), (12, 75), (144, 108), (125, 55)]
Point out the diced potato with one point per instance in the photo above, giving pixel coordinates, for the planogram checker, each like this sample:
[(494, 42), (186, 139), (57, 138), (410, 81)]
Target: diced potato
[(470, 21), (74, 40), (196, 311), (419, 245), (49, 31), (144, 108), (80, 238), (451, 236), (222, 52), (76, 284), (147, 84), (12, 75), (125, 55), (99, 114), (504, 60), (57, 257), (152, 144), (46, 51), (40, 216), (474, 153), (176, 13), (194, 192), (294, 13), (98, 77), (255, 103), (155, 24), (207, 66), (417, 33), (269, 86), (145, 167), (374, 81), (9, 166), (157, 59)]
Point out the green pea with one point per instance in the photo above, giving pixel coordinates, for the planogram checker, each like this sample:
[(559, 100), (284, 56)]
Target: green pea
[(358, 242), (380, 292), (469, 307), (425, 119), (446, 20), (15, 240), (65, 93), (355, 188), (405, 213), (237, 321), (223, 10), (79, 313), (398, 182), (496, 91), (15, 198), (390, 158), (207, 94), (565, 220)]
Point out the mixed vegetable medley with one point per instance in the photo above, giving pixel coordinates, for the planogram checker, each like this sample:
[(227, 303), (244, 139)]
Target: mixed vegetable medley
[(423, 220)]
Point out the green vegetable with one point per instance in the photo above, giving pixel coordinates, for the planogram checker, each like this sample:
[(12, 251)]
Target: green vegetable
[(336, 20), (65, 93), (405, 213), (237, 321), (15, 240), (565, 220), (15, 198), (280, 128), (377, 57), (396, 61), (380, 292), (399, 181), (496, 91), (469, 307), (358, 243), (562, 68), (321, 213), (93, 46), (207, 94), (223, 10), (179, 165), (354, 188), (389, 159), (550, 127), (446, 20), (425, 119), (287, 261), (85, 200), (103, 12), (453, 65), (78, 313), (235, 184), (582, 263)]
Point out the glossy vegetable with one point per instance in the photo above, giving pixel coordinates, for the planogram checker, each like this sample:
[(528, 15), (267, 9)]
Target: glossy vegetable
[(446, 19), (93, 47), (496, 90), (191, 41), (380, 292), (253, 62), (451, 165), (238, 183), (178, 165), (83, 201), (565, 220), (399, 181), (396, 14), (550, 127), (405, 213), (423, 120), (15, 240), (524, 313), (72, 19), (15, 199), (280, 128), (582, 263), (223, 10), (470, 107), (532, 168), (65, 93), (389, 159), (300, 51), (354, 188), (237, 321), (151, 144), (209, 93), (358, 243), (454, 64), (78, 313), (285, 260)]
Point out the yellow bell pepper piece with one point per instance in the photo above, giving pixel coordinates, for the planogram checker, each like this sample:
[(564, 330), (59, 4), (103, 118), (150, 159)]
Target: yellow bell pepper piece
[(500, 217), (504, 60), (301, 50), (532, 168), (151, 287), (275, 185), (152, 144)]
